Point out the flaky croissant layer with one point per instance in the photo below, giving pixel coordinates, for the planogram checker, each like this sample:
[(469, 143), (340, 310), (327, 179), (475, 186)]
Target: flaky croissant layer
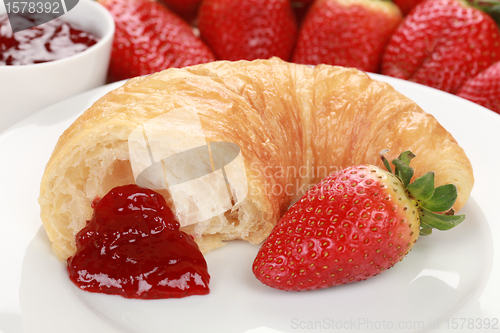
[(293, 124)]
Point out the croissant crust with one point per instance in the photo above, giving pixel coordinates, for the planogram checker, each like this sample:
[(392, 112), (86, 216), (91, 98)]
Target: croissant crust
[(293, 123)]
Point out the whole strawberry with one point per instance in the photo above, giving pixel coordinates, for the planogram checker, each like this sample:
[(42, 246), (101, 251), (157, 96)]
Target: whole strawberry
[(353, 225), (442, 44), (150, 38), (346, 33), (248, 30), (484, 88)]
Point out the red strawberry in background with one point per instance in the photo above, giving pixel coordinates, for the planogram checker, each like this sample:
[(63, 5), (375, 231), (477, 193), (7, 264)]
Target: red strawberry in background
[(353, 225), (150, 38), (248, 30), (442, 44), (484, 88), (406, 5), (187, 9), (346, 33)]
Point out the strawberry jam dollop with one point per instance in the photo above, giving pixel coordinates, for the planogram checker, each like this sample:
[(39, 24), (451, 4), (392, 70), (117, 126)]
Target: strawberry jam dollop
[(51, 41), (132, 246)]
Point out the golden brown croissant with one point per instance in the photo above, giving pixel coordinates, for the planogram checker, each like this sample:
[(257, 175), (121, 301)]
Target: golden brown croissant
[(293, 123)]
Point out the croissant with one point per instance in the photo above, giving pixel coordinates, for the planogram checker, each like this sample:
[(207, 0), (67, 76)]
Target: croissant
[(291, 125)]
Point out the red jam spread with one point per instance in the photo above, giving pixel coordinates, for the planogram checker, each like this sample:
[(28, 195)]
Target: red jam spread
[(132, 246), (50, 41)]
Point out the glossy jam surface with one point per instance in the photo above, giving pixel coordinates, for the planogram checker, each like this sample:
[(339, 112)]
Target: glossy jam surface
[(132, 246), (50, 41)]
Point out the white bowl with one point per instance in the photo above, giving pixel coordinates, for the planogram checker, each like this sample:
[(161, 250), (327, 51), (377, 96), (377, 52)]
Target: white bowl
[(26, 89)]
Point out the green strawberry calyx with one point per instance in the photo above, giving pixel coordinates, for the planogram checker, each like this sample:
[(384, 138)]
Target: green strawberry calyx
[(490, 7), (434, 204)]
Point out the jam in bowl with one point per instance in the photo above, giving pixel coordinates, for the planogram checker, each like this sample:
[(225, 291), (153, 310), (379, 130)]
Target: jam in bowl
[(56, 39)]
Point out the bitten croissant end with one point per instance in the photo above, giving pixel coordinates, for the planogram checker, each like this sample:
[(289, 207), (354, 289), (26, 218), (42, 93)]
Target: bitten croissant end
[(293, 124)]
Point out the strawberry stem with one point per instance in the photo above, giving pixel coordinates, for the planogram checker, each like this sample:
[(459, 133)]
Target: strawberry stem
[(442, 199), (432, 202)]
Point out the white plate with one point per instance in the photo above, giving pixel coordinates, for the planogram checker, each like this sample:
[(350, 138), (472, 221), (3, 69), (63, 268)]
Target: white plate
[(445, 283)]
